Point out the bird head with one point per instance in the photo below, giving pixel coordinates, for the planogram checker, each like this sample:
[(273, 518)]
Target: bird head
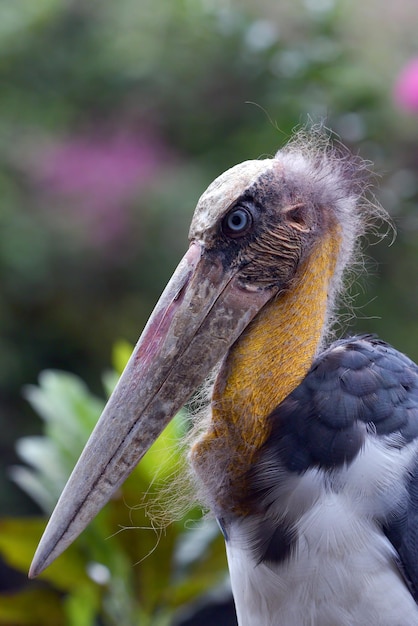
[(268, 237)]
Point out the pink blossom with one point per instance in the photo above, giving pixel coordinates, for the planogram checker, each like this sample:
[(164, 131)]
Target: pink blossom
[(406, 87), (98, 176)]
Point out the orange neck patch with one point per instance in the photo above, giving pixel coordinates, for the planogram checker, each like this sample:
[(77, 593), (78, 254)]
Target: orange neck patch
[(265, 364)]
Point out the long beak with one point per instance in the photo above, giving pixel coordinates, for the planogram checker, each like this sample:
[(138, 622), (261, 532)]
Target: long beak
[(202, 311)]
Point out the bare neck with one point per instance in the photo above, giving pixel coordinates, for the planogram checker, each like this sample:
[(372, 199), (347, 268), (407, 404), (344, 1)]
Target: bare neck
[(267, 362)]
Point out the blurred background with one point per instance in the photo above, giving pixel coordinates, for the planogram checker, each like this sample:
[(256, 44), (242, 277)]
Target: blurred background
[(114, 118)]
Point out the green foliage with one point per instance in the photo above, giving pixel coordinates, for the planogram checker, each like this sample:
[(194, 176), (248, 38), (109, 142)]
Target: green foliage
[(123, 570)]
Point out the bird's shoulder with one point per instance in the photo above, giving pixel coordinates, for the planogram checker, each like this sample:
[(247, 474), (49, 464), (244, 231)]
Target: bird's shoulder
[(357, 386), (360, 395)]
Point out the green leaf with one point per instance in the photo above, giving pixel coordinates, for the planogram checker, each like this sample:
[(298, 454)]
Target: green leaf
[(18, 541), (81, 606), (122, 351), (32, 607), (59, 398), (34, 485), (70, 412), (51, 474), (165, 454), (201, 563)]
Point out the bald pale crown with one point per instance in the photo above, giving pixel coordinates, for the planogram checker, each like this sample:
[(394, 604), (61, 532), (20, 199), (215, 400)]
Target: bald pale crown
[(223, 192)]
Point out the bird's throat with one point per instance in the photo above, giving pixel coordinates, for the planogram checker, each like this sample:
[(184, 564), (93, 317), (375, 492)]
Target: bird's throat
[(266, 363)]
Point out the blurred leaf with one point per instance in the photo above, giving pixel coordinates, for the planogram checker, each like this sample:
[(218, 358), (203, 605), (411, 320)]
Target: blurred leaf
[(121, 353), (202, 559), (32, 607), (16, 20), (81, 606), (18, 541), (70, 413), (162, 459), (61, 397), (35, 485)]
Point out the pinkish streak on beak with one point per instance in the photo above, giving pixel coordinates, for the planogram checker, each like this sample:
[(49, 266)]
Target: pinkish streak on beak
[(159, 326)]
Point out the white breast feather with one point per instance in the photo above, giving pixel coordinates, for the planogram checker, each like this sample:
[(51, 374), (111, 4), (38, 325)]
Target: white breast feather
[(343, 570)]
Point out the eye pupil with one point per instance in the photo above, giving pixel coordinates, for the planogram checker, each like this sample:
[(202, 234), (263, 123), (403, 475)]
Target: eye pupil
[(237, 222), (238, 219)]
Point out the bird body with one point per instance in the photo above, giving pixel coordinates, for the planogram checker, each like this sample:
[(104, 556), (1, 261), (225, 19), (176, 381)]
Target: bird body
[(328, 498), (343, 573), (308, 454)]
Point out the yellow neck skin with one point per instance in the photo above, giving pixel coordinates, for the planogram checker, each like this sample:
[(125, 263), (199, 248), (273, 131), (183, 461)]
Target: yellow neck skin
[(266, 363)]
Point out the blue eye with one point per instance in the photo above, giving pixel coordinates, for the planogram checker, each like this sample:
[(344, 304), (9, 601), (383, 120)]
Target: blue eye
[(237, 222)]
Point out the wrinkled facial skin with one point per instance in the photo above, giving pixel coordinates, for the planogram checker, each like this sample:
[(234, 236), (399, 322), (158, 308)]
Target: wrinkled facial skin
[(283, 230)]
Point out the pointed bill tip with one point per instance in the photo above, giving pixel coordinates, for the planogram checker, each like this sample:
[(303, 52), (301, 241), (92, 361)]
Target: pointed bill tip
[(37, 567), (71, 516), (46, 552)]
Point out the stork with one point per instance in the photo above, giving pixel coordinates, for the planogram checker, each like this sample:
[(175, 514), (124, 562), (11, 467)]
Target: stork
[(308, 454)]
